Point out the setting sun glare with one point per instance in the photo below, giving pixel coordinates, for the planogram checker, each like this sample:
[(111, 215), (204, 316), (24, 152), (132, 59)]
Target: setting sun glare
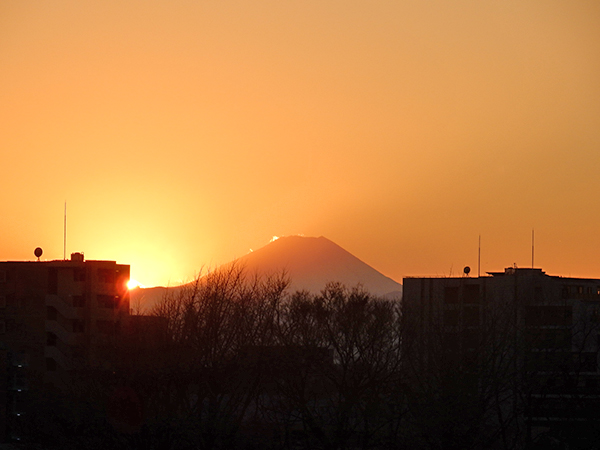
[(132, 284)]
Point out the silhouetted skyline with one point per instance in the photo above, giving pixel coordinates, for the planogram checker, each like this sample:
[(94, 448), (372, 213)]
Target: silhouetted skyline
[(183, 134)]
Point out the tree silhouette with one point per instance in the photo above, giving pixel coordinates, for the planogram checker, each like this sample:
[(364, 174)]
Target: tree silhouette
[(343, 350)]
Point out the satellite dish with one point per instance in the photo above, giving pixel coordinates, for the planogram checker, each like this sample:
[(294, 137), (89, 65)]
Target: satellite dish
[(38, 252), (467, 270)]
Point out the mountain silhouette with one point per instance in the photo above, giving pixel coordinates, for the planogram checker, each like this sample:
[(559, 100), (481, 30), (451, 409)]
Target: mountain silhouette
[(309, 262), (312, 262)]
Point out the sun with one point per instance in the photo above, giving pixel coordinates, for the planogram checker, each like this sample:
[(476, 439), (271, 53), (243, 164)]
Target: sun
[(132, 284)]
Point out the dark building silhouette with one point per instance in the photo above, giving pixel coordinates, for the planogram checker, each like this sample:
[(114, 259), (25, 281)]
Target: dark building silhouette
[(56, 318), (520, 340)]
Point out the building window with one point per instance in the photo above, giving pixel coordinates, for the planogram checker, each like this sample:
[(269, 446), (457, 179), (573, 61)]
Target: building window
[(50, 364), (471, 317), (2, 276), (542, 316), (106, 301), (106, 276), (451, 295), (549, 339), (105, 326), (451, 317), (78, 326), (79, 275), (79, 301), (20, 359), (539, 294), (51, 313), (471, 338), (2, 301), (19, 381), (52, 281), (2, 327), (51, 339), (472, 294)]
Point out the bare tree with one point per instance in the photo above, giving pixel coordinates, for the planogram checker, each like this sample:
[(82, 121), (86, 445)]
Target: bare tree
[(342, 374), (212, 325)]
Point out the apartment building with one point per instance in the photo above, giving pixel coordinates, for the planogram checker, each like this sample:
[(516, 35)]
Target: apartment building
[(56, 318), (524, 336)]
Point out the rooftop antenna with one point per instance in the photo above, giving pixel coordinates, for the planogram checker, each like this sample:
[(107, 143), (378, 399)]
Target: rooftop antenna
[(65, 235), (532, 246), (479, 258)]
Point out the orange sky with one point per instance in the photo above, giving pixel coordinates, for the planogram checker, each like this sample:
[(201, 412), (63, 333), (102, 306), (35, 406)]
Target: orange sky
[(183, 133)]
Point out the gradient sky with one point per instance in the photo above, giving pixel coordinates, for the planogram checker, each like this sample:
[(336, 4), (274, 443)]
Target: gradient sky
[(181, 134)]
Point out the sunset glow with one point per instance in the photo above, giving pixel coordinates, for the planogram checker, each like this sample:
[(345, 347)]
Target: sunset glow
[(181, 134), (132, 284)]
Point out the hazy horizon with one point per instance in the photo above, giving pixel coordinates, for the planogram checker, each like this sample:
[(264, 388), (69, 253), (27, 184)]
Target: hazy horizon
[(183, 134)]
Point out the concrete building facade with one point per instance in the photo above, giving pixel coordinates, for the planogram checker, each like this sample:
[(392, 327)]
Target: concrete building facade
[(56, 318), (531, 337)]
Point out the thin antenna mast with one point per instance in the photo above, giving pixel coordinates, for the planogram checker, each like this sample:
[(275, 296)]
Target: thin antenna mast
[(532, 246), (479, 258), (65, 235)]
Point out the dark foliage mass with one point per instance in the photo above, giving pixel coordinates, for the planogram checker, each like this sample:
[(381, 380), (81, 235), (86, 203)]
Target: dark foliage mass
[(237, 362)]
